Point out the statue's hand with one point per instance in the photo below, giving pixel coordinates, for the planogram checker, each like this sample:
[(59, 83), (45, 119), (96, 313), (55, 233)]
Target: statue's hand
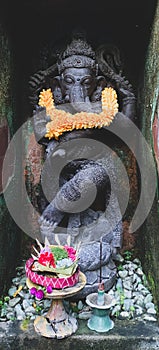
[(126, 93), (40, 119), (128, 99)]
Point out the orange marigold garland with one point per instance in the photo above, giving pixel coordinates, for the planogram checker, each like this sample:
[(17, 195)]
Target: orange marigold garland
[(46, 99), (62, 121)]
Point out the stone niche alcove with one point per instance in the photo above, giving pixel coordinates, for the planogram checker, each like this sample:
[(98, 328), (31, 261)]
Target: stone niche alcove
[(29, 32)]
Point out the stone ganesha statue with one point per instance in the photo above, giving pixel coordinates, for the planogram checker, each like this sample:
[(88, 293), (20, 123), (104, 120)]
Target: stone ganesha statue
[(77, 81)]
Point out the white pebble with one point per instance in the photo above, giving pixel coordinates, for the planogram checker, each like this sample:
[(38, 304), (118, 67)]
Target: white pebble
[(123, 274), (149, 318), (151, 311), (80, 305), (124, 314)]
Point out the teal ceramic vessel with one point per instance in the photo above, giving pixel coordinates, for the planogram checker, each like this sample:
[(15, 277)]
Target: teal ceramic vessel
[(100, 320)]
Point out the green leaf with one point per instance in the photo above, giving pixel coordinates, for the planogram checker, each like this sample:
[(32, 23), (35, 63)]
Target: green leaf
[(59, 253)]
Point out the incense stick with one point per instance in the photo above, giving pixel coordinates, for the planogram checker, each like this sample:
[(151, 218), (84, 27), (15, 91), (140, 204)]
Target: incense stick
[(100, 260)]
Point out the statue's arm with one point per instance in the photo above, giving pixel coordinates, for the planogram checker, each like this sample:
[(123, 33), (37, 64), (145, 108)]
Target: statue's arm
[(40, 119), (127, 99), (128, 103)]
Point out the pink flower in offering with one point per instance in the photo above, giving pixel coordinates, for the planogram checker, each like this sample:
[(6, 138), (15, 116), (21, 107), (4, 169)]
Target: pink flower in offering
[(46, 259), (72, 257), (39, 294), (71, 252), (49, 289), (33, 291)]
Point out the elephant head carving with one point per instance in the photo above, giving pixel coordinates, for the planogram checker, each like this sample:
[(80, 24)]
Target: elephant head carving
[(79, 76), (78, 87)]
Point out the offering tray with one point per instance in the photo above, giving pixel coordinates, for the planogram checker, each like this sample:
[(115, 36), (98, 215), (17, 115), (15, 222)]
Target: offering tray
[(58, 323)]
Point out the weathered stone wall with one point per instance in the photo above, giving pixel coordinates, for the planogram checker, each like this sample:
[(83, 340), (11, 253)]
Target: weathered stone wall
[(149, 239), (9, 236)]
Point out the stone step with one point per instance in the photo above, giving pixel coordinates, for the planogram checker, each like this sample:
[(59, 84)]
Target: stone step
[(126, 335)]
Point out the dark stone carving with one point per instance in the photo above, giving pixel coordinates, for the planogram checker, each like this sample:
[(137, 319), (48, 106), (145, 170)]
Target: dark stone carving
[(77, 80)]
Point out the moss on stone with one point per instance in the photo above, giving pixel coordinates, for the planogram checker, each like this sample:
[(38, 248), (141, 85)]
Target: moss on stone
[(149, 240), (9, 235), (5, 72)]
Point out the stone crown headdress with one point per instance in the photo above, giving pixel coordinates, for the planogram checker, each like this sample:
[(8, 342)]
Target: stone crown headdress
[(78, 54)]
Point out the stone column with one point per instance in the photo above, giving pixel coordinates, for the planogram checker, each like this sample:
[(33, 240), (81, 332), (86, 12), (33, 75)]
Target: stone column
[(149, 244)]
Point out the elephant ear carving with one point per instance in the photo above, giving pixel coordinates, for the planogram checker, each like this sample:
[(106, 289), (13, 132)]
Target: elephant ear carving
[(38, 81), (101, 82), (56, 88)]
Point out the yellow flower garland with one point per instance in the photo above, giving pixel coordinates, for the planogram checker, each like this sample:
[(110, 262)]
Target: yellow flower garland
[(62, 121)]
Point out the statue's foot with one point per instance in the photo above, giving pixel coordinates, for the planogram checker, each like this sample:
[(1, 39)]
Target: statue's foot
[(92, 285), (51, 216)]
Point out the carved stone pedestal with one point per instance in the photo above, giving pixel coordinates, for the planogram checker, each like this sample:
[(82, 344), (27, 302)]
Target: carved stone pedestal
[(58, 323)]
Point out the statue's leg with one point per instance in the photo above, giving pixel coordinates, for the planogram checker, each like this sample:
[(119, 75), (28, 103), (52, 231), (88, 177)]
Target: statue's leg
[(51, 216), (74, 224)]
